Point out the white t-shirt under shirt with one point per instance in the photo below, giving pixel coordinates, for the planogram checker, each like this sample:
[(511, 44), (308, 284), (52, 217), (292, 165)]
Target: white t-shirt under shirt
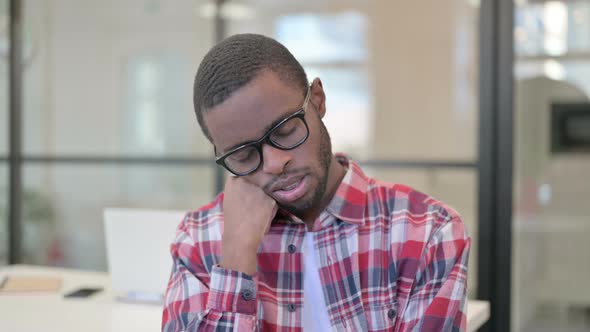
[(315, 313)]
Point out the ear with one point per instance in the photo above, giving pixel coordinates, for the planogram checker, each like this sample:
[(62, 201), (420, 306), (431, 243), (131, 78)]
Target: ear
[(318, 97)]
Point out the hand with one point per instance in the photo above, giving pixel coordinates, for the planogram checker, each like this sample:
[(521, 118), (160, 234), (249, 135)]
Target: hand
[(248, 212)]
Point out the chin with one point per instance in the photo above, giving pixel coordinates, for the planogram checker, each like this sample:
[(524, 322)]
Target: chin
[(296, 207), (295, 211), (301, 206)]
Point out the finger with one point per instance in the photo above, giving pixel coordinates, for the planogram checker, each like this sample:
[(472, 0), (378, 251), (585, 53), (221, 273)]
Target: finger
[(229, 174), (275, 208), (232, 182), (267, 228)]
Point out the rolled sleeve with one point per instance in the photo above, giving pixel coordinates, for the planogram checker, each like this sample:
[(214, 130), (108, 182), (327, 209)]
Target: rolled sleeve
[(232, 291), (199, 300)]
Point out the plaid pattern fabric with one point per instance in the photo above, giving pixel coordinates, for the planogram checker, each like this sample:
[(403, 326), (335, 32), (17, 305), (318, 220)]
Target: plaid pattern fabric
[(390, 259)]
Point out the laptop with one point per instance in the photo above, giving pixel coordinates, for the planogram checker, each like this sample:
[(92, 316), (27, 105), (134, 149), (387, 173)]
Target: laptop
[(138, 252)]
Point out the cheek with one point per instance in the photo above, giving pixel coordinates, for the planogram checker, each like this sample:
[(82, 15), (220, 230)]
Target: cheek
[(315, 130), (314, 143), (255, 179), (306, 154), (260, 180)]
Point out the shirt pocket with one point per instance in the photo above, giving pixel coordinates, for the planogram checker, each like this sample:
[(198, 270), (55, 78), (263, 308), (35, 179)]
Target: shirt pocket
[(381, 317)]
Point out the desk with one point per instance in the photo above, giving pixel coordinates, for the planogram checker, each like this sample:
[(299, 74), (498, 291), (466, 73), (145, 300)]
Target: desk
[(52, 313), (100, 313), (478, 312)]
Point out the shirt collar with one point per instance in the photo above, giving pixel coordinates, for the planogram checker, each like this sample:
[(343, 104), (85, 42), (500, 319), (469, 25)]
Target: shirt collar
[(349, 201)]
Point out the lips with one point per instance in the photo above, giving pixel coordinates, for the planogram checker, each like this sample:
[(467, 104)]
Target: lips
[(290, 189), (286, 184)]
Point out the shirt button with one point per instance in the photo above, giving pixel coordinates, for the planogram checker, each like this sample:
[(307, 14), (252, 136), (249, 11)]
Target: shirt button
[(291, 307), (391, 313), (292, 248), (248, 295)]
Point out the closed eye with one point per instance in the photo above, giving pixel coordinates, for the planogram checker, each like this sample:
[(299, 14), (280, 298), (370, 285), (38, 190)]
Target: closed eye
[(242, 155)]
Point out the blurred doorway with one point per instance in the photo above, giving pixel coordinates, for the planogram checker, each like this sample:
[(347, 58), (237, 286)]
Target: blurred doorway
[(551, 221)]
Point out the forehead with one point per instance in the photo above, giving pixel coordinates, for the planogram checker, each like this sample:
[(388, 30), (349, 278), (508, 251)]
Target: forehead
[(248, 112)]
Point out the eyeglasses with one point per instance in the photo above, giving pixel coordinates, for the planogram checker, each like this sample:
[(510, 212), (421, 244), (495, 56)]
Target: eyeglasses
[(288, 134)]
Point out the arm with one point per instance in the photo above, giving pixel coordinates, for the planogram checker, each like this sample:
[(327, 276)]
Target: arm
[(438, 297), (202, 296), (198, 301)]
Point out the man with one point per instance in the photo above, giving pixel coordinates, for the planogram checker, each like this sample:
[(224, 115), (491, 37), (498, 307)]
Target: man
[(301, 238)]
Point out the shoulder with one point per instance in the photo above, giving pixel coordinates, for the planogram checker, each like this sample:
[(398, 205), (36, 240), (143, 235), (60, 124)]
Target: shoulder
[(388, 205), (197, 244), (419, 214), (203, 222), (416, 225)]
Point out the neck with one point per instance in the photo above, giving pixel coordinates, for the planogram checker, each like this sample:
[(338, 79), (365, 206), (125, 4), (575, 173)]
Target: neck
[(335, 174)]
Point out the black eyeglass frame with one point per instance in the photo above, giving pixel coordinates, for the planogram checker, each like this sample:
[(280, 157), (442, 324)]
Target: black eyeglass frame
[(265, 139)]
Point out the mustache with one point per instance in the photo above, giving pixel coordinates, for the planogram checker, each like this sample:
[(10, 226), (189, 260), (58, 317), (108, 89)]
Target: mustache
[(285, 175)]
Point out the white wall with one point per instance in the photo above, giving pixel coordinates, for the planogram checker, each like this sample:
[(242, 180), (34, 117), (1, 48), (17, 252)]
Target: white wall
[(79, 101)]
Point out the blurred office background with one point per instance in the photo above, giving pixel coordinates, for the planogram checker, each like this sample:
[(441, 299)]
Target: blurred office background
[(551, 222), (107, 120)]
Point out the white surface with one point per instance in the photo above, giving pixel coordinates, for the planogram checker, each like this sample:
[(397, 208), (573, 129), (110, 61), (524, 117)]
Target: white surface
[(138, 250), (100, 313), (315, 312), (478, 312), (50, 312)]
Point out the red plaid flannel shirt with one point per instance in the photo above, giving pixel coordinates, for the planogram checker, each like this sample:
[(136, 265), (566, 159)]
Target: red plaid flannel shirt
[(390, 259)]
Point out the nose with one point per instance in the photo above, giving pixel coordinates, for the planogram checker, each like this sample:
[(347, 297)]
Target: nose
[(274, 160)]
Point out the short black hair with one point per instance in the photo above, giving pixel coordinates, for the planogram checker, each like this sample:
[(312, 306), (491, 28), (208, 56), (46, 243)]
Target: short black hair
[(236, 61)]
